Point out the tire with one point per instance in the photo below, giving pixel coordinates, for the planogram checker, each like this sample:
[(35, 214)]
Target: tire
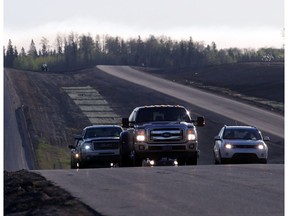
[(181, 162), (192, 161), (222, 160), (125, 161), (82, 165), (137, 162), (73, 165), (215, 159)]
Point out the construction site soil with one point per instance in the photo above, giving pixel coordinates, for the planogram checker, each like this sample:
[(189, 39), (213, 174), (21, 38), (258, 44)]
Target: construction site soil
[(52, 118)]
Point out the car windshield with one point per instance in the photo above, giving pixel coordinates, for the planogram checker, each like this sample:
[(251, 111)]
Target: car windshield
[(243, 134), (103, 132), (162, 114)]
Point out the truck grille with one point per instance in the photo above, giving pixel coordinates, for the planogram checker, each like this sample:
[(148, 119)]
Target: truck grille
[(166, 135), (106, 145)]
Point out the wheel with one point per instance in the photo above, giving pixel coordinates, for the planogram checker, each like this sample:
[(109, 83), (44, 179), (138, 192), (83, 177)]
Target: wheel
[(125, 161), (136, 161), (192, 161), (81, 165), (73, 165), (216, 161), (222, 160), (181, 162)]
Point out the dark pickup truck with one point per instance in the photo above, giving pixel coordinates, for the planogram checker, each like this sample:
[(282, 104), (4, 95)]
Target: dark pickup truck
[(97, 146), (159, 131)]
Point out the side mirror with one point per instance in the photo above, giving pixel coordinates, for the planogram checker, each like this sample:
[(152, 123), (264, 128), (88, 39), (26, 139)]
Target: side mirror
[(217, 138), (266, 138), (125, 122), (71, 146), (200, 121), (78, 137)]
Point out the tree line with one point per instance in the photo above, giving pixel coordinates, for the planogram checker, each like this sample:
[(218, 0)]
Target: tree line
[(74, 51)]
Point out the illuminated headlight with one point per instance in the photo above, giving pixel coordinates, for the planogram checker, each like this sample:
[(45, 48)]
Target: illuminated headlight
[(87, 147), (175, 163), (140, 135), (191, 135), (77, 155), (261, 147), (151, 162), (228, 146)]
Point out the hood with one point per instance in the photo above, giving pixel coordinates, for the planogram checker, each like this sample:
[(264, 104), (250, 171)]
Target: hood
[(244, 142), (102, 139), (161, 124)]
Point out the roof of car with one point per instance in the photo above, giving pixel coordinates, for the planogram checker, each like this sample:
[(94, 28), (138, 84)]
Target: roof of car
[(239, 126), (102, 126), (164, 105)]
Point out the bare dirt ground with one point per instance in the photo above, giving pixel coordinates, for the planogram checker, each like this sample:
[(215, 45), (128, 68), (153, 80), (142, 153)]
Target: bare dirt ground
[(257, 83), (52, 119)]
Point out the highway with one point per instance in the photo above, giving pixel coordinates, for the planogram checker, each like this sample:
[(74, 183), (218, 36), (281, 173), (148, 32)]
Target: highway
[(250, 190), (264, 120)]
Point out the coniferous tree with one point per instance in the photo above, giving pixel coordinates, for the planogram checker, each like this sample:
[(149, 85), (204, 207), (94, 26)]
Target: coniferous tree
[(10, 55), (22, 53), (32, 50), (44, 46)]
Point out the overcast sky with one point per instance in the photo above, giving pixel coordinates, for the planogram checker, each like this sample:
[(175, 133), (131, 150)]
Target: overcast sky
[(228, 23)]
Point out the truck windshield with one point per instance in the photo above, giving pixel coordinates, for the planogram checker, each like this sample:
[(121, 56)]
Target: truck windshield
[(103, 132), (152, 114)]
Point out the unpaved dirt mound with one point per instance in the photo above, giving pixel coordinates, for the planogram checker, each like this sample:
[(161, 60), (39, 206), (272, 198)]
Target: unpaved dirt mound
[(27, 193)]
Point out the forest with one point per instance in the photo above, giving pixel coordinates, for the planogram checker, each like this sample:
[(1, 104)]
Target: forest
[(79, 51)]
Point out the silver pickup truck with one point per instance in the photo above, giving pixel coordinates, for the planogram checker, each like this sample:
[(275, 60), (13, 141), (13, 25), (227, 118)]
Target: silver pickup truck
[(97, 146), (159, 131)]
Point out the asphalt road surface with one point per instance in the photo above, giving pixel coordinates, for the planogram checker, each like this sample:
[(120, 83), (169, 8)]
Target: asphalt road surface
[(237, 190), (265, 121)]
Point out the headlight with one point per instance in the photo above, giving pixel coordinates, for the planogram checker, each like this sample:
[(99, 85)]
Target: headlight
[(228, 146), (175, 163), (87, 146), (261, 147), (151, 162), (191, 135), (140, 135)]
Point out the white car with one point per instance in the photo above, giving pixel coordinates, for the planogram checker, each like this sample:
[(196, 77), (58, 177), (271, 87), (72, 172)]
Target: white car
[(240, 144)]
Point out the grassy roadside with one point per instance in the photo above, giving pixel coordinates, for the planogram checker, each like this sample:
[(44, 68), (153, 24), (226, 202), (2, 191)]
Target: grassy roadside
[(52, 157)]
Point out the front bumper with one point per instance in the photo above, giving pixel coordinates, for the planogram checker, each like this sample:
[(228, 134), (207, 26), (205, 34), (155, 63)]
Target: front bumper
[(248, 154), (109, 157), (174, 151)]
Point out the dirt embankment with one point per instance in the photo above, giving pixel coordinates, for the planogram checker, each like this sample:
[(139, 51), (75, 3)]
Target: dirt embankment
[(257, 83)]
